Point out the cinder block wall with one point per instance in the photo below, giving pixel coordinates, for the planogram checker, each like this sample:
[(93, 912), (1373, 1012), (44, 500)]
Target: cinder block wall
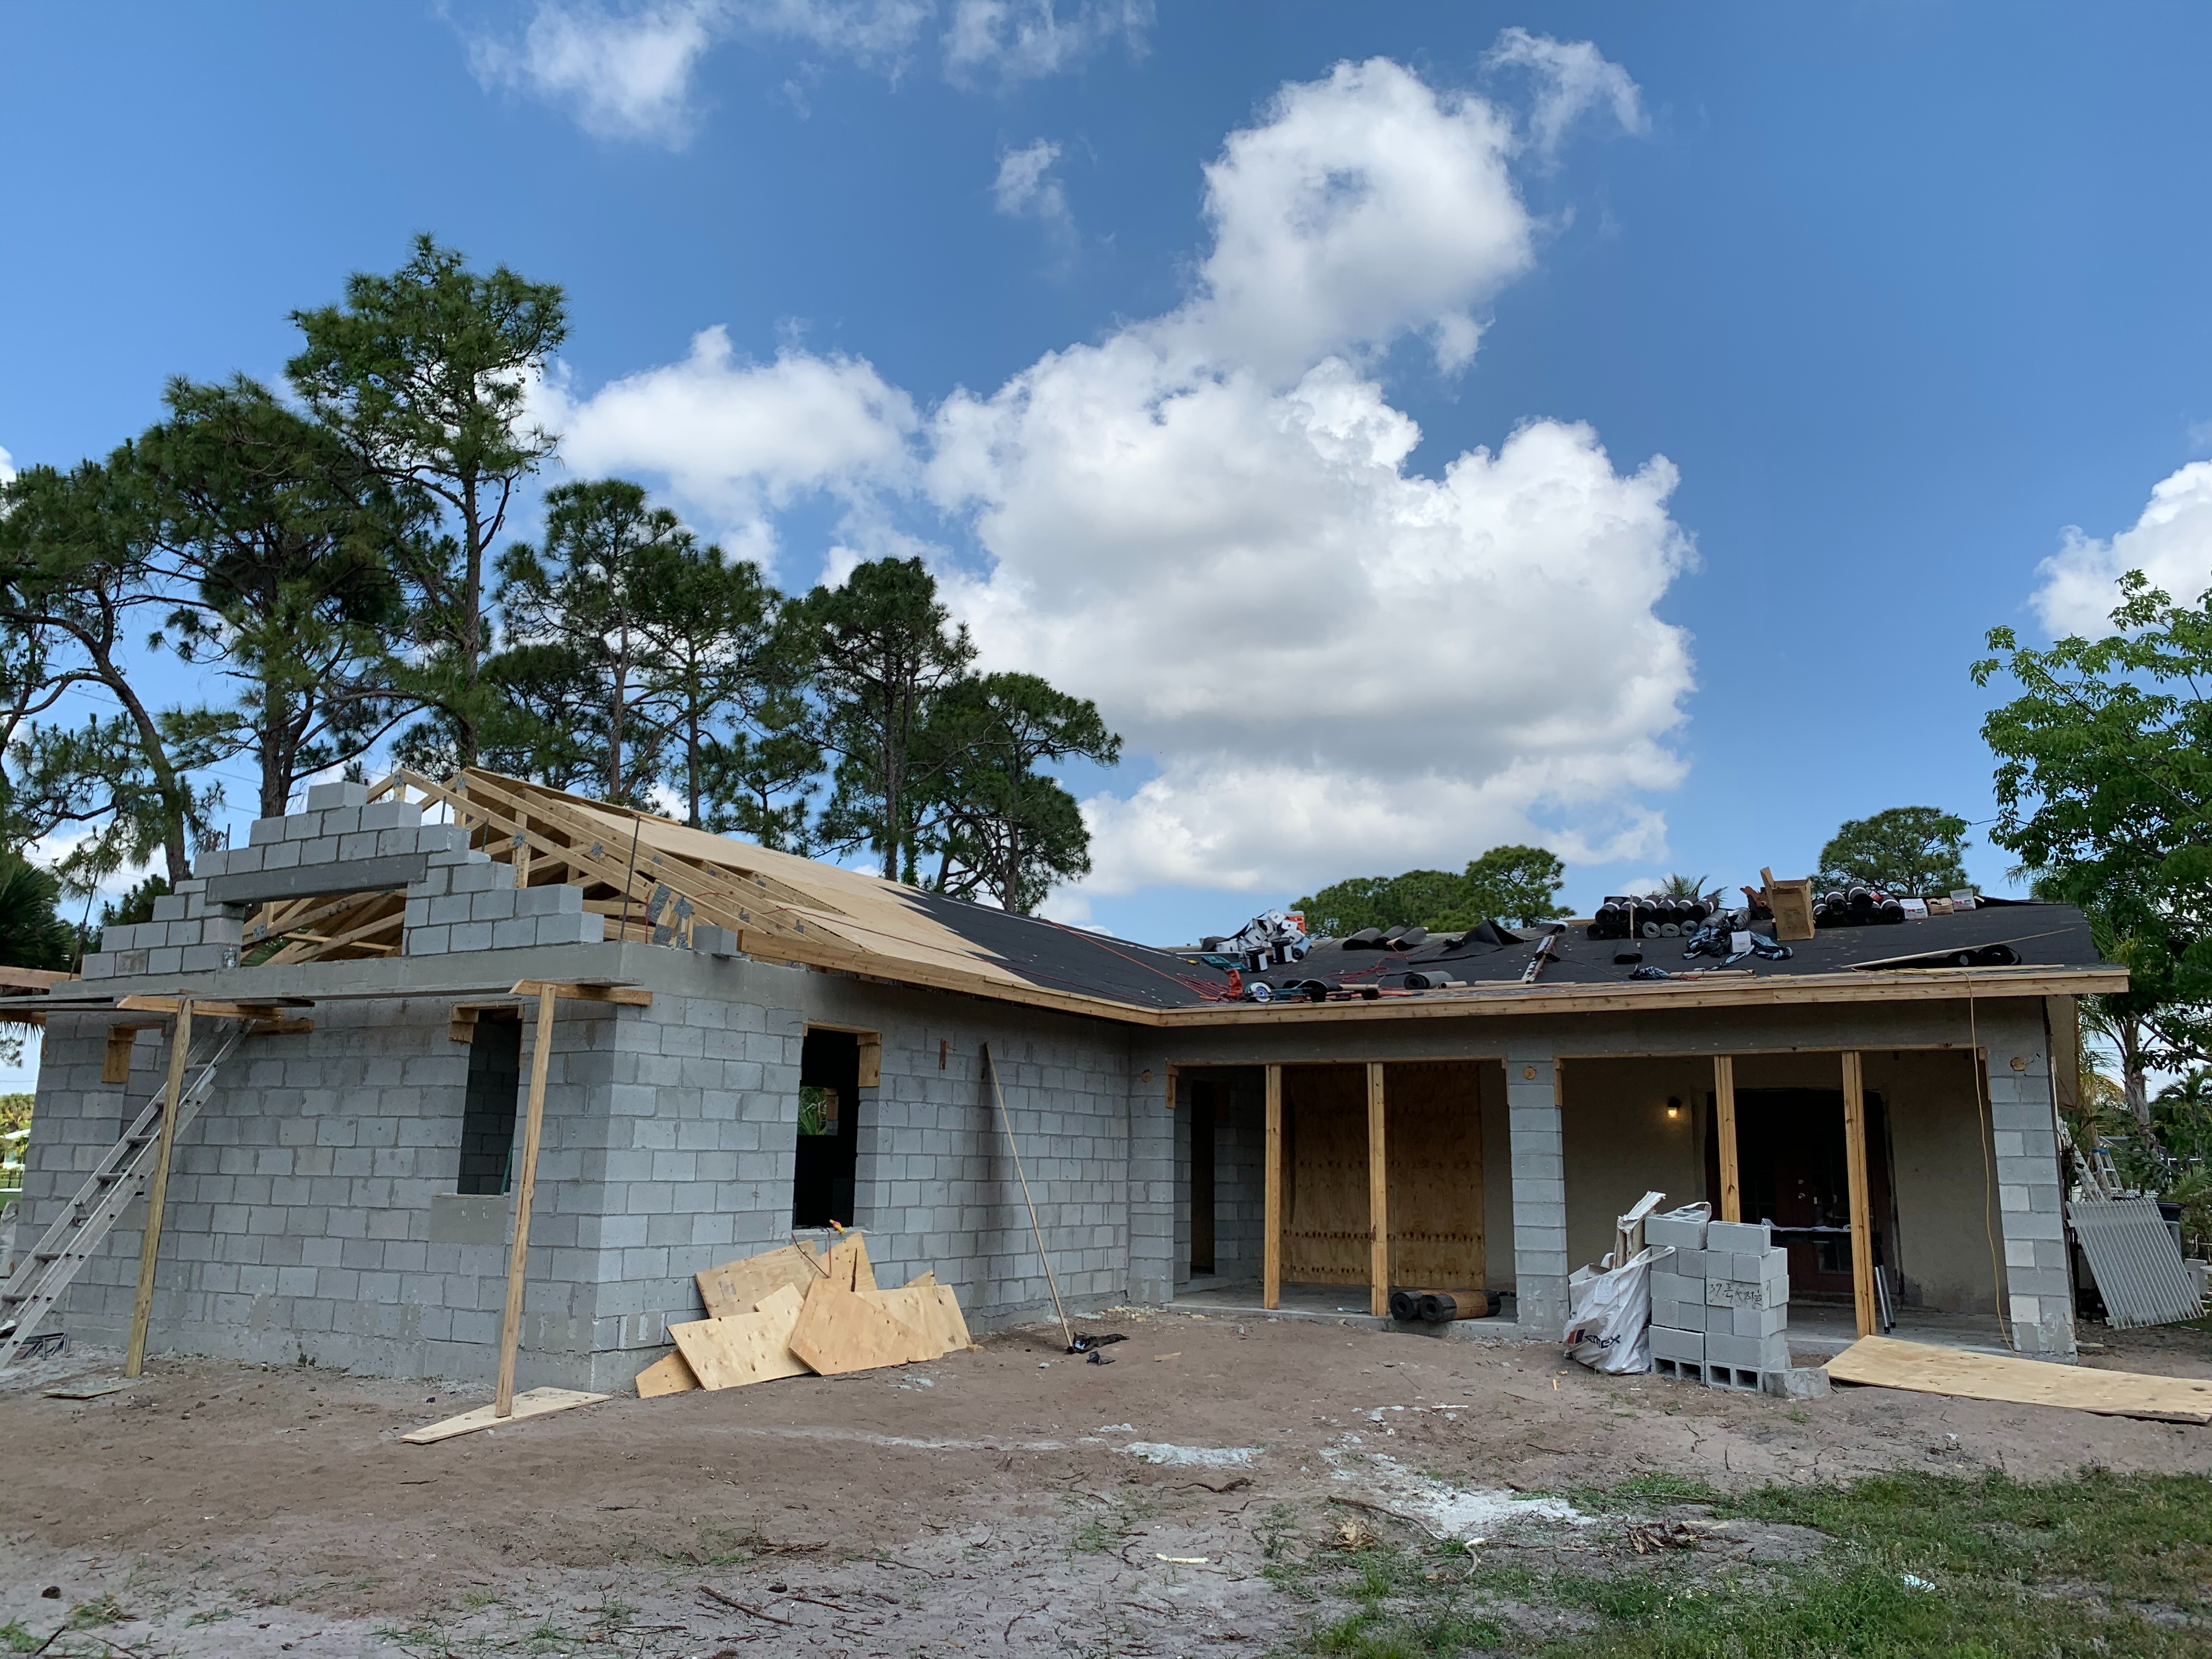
[(300, 1204)]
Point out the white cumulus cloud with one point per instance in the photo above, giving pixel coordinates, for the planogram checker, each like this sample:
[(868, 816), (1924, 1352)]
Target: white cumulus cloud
[(1013, 40), (737, 439), (2171, 543), (1365, 204), (1026, 189), (6, 467), (1572, 78), (624, 74), (1205, 523)]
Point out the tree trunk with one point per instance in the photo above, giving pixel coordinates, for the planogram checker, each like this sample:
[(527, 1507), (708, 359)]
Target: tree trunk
[(471, 618)]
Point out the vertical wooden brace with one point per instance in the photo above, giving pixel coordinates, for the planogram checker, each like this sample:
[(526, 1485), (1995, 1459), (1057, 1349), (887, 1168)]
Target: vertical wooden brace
[(1854, 1158), (1378, 1198), (510, 1328), (1724, 1125), (1270, 1246), (157, 1193)]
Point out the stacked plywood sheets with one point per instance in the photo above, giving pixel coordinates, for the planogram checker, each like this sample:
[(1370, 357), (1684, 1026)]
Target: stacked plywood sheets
[(791, 1312)]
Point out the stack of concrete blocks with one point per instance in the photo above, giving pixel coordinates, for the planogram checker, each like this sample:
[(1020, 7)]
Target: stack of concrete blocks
[(466, 902), (187, 935), (1720, 1304)]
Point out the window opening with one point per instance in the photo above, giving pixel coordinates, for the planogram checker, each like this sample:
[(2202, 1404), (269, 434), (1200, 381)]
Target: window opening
[(487, 1111)]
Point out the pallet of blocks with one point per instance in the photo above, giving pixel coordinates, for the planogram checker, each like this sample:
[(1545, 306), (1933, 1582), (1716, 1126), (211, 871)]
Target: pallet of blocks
[(1720, 1303), (799, 1312)]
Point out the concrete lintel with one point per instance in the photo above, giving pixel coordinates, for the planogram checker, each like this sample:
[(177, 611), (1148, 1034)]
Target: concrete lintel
[(308, 880)]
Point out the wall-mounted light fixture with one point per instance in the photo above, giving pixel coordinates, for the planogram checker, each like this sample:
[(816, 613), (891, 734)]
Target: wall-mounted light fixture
[(1674, 1107)]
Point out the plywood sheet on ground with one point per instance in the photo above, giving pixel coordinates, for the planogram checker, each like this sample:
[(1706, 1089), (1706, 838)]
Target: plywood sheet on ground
[(669, 1374), (840, 1330), (1432, 1124), (739, 1349), (931, 1309), (737, 1287), (1885, 1362), (537, 1402)]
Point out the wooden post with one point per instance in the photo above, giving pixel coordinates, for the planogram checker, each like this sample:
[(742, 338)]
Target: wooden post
[(510, 1330), (1270, 1245), (1724, 1122), (522, 849), (157, 1193), (1855, 1159), (1378, 1199)]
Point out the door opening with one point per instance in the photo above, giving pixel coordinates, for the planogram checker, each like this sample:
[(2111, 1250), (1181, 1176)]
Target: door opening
[(1791, 1160), (829, 1129), (1201, 1177)]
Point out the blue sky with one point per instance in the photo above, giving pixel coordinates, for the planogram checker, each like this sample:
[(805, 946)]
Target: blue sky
[(1414, 434)]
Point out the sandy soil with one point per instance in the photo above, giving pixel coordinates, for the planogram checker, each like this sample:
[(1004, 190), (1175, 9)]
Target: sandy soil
[(1012, 1499)]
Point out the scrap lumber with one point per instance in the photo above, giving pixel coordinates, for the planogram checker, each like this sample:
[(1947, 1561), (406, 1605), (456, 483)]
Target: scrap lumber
[(739, 1349), (931, 1309), (669, 1374), (737, 1287), (840, 1330), (535, 1402), (1888, 1363)]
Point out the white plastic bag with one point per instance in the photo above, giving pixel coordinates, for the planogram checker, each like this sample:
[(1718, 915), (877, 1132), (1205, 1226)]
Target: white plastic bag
[(1609, 1324)]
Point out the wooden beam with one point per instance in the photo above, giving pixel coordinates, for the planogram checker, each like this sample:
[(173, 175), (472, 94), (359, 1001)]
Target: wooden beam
[(1724, 1122), (510, 1327), (522, 849), (1855, 1159), (1270, 1246), (115, 1061), (1378, 1198), (157, 1193), (628, 996), (259, 1008)]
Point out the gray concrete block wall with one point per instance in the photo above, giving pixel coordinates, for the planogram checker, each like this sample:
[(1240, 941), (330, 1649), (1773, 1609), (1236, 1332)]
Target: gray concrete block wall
[(1534, 1132), (1240, 1177)]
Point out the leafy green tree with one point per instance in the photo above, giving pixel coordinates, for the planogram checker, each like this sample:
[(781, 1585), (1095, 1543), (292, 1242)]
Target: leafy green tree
[(277, 540), (2104, 787), (718, 656), (883, 651), (1912, 850), (80, 576), (1512, 884), (426, 373), (608, 560), (997, 824)]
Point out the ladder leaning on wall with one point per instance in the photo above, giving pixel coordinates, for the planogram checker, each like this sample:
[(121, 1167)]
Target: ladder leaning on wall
[(49, 1266)]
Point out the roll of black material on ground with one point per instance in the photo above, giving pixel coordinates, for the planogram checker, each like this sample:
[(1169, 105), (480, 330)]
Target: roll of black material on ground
[(1405, 1306)]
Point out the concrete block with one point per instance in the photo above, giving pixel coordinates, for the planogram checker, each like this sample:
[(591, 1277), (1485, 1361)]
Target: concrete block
[(1796, 1383), (1690, 1264), (342, 821), (492, 904), (549, 900), (324, 849), (262, 831), (471, 936), (361, 844), (1683, 1232), (302, 826), (713, 941), (242, 860), (570, 929), (1746, 1294), (281, 855), (209, 958), (170, 959), (323, 796), (441, 838), (1750, 1237), (391, 815), (169, 907), (429, 941), (514, 933), (1748, 1354), (1683, 1347), (1757, 1321), (1672, 1287)]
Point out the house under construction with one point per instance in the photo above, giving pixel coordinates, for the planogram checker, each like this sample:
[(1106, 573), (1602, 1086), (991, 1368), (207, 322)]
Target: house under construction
[(738, 1042)]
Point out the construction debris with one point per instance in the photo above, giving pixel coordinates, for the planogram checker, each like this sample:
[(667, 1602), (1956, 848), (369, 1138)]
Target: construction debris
[(536, 1402), (791, 1312)]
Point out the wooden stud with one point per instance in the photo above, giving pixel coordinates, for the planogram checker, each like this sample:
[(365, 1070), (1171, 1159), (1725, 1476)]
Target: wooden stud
[(1378, 1199), (1724, 1122), (627, 996), (522, 849), (510, 1328), (115, 1059), (1271, 1247), (157, 1193), (1855, 1159)]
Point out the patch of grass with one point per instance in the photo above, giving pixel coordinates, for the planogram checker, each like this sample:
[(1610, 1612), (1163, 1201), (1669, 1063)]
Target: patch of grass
[(101, 1610), (1093, 1537), (212, 1616), (18, 1639), (1966, 1567)]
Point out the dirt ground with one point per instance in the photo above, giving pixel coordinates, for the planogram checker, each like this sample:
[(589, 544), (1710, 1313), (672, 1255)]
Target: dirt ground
[(1012, 1499)]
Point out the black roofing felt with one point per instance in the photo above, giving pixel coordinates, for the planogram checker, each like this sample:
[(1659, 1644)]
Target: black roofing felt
[(1061, 958), (2043, 935)]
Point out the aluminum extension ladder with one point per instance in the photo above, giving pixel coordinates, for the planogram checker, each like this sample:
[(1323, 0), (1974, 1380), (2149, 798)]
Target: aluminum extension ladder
[(50, 1266)]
